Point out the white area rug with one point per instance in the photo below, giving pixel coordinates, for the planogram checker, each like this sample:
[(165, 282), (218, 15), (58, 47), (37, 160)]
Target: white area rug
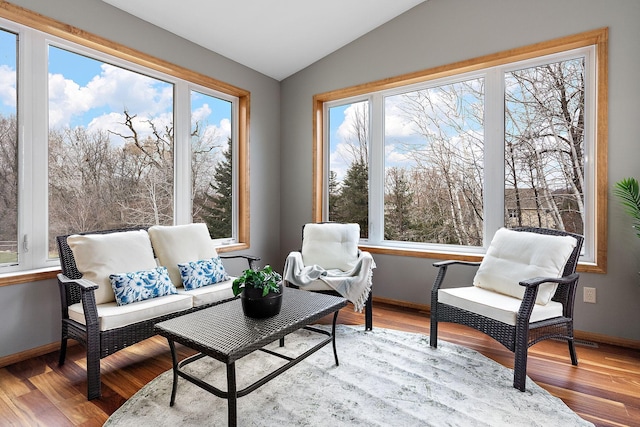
[(385, 378)]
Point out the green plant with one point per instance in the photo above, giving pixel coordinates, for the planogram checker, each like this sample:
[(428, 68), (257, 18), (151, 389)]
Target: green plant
[(629, 193), (265, 279)]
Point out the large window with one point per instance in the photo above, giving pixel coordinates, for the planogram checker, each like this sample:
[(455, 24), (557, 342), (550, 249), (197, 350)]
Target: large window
[(433, 163), (110, 138)]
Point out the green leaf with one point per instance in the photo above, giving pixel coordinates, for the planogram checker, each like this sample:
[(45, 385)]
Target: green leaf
[(628, 191)]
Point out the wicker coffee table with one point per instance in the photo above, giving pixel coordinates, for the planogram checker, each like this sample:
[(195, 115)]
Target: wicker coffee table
[(224, 333)]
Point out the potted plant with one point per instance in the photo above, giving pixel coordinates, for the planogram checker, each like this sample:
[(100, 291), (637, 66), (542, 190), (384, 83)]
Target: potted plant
[(629, 193), (260, 291)]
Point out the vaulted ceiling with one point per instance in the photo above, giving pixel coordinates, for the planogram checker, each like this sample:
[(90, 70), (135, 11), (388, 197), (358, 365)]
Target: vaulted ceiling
[(275, 37)]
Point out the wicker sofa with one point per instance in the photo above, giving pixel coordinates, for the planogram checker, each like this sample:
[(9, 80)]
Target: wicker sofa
[(90, 313)]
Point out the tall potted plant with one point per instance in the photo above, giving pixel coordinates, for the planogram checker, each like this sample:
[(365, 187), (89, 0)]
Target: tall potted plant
[(260, 292), (628, 191)]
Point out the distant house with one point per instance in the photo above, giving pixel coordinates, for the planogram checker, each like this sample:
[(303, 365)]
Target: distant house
[(530, 207)]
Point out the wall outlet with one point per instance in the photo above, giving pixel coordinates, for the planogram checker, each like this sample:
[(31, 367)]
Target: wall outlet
[(589, 295)]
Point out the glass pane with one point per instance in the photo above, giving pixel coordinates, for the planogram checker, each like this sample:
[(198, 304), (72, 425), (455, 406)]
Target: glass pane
[(544, 146), (349, 165), (8, 149), (110, 146), (211, 164), (434, 164)]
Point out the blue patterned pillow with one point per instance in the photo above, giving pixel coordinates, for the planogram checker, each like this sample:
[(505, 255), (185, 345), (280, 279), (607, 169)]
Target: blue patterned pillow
[(196, 274), (141, 285)]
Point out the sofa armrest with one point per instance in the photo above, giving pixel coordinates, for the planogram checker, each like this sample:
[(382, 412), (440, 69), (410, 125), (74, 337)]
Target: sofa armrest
[(87, 290)]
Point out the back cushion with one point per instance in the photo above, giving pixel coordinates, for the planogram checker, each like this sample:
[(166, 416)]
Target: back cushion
[(100, 255), (331, 246), (514, 256), (177, 244)]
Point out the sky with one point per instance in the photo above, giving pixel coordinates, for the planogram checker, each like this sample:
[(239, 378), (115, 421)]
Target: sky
[(402, 136), (89, 93), (398, 131)]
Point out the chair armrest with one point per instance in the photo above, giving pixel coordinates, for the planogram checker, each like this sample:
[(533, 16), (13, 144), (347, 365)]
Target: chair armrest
[(454, 262), (85, 285), (529, 298), (442, 271), (537, 281), (87, 296), (251, 259)]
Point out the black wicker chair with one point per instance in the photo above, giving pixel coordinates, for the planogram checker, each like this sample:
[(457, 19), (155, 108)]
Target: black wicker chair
[(519, 337), (368, 307), (100, 344)]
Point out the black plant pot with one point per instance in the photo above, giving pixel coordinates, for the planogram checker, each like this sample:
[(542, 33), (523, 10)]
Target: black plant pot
[(257, 306)]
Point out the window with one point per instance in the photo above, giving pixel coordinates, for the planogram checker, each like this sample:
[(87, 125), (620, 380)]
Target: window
[(110, 138), (433, 163)]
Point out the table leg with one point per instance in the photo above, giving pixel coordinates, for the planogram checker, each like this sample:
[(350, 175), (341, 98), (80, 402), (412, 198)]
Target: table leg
[(174, 358), (232, 395), (333, 333)]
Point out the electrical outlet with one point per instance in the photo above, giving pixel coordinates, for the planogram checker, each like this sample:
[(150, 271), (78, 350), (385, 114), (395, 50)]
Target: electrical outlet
[(589, 295)]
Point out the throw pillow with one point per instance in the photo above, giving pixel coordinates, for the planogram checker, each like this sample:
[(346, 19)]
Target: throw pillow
[(196, 274), (141, 285)]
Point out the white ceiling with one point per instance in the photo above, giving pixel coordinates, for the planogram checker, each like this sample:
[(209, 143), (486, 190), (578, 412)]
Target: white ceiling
[(275, 37)]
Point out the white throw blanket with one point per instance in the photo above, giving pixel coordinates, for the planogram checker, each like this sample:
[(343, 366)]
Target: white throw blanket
[(354, 285)]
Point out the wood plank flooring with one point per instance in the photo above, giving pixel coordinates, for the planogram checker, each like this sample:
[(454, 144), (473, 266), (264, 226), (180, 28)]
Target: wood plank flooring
[(604, 388)]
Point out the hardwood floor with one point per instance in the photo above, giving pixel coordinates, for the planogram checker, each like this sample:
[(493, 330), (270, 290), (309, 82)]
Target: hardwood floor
[(604, 388)]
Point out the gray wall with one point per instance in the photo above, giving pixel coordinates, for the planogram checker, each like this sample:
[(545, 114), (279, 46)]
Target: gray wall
[(440, 32), (30, 313), (435, 33)]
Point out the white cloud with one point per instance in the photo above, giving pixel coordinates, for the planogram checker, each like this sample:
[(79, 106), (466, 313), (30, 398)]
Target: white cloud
[(107, 95), (8, 86)]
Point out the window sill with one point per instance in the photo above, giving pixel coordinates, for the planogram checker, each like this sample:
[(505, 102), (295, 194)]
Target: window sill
[(583, 266), (36, 275)]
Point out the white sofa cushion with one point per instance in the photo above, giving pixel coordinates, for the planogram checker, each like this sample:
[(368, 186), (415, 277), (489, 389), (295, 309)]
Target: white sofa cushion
[(178, 244), (209, 294), (514, 256), (99, 255), (500, 307), (111, 315), (331, 245)]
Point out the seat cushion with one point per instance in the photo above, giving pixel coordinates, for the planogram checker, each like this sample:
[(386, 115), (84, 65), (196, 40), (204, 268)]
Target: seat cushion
[(494, 305), (177, 244), (331, 245), (210, 294), (514, 256), (111, 315), (99, 255)]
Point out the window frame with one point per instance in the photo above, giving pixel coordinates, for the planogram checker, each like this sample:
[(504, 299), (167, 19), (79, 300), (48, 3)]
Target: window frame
[(596, 38), (35, 34)]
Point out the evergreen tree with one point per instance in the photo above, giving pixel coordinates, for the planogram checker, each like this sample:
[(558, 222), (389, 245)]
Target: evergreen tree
[(218, 211), (398, 202), (334, 197), (354, 199)]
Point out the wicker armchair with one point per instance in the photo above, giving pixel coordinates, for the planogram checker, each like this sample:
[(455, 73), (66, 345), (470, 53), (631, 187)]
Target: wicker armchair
[(519, 322), (332, 246), (100, 343)]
